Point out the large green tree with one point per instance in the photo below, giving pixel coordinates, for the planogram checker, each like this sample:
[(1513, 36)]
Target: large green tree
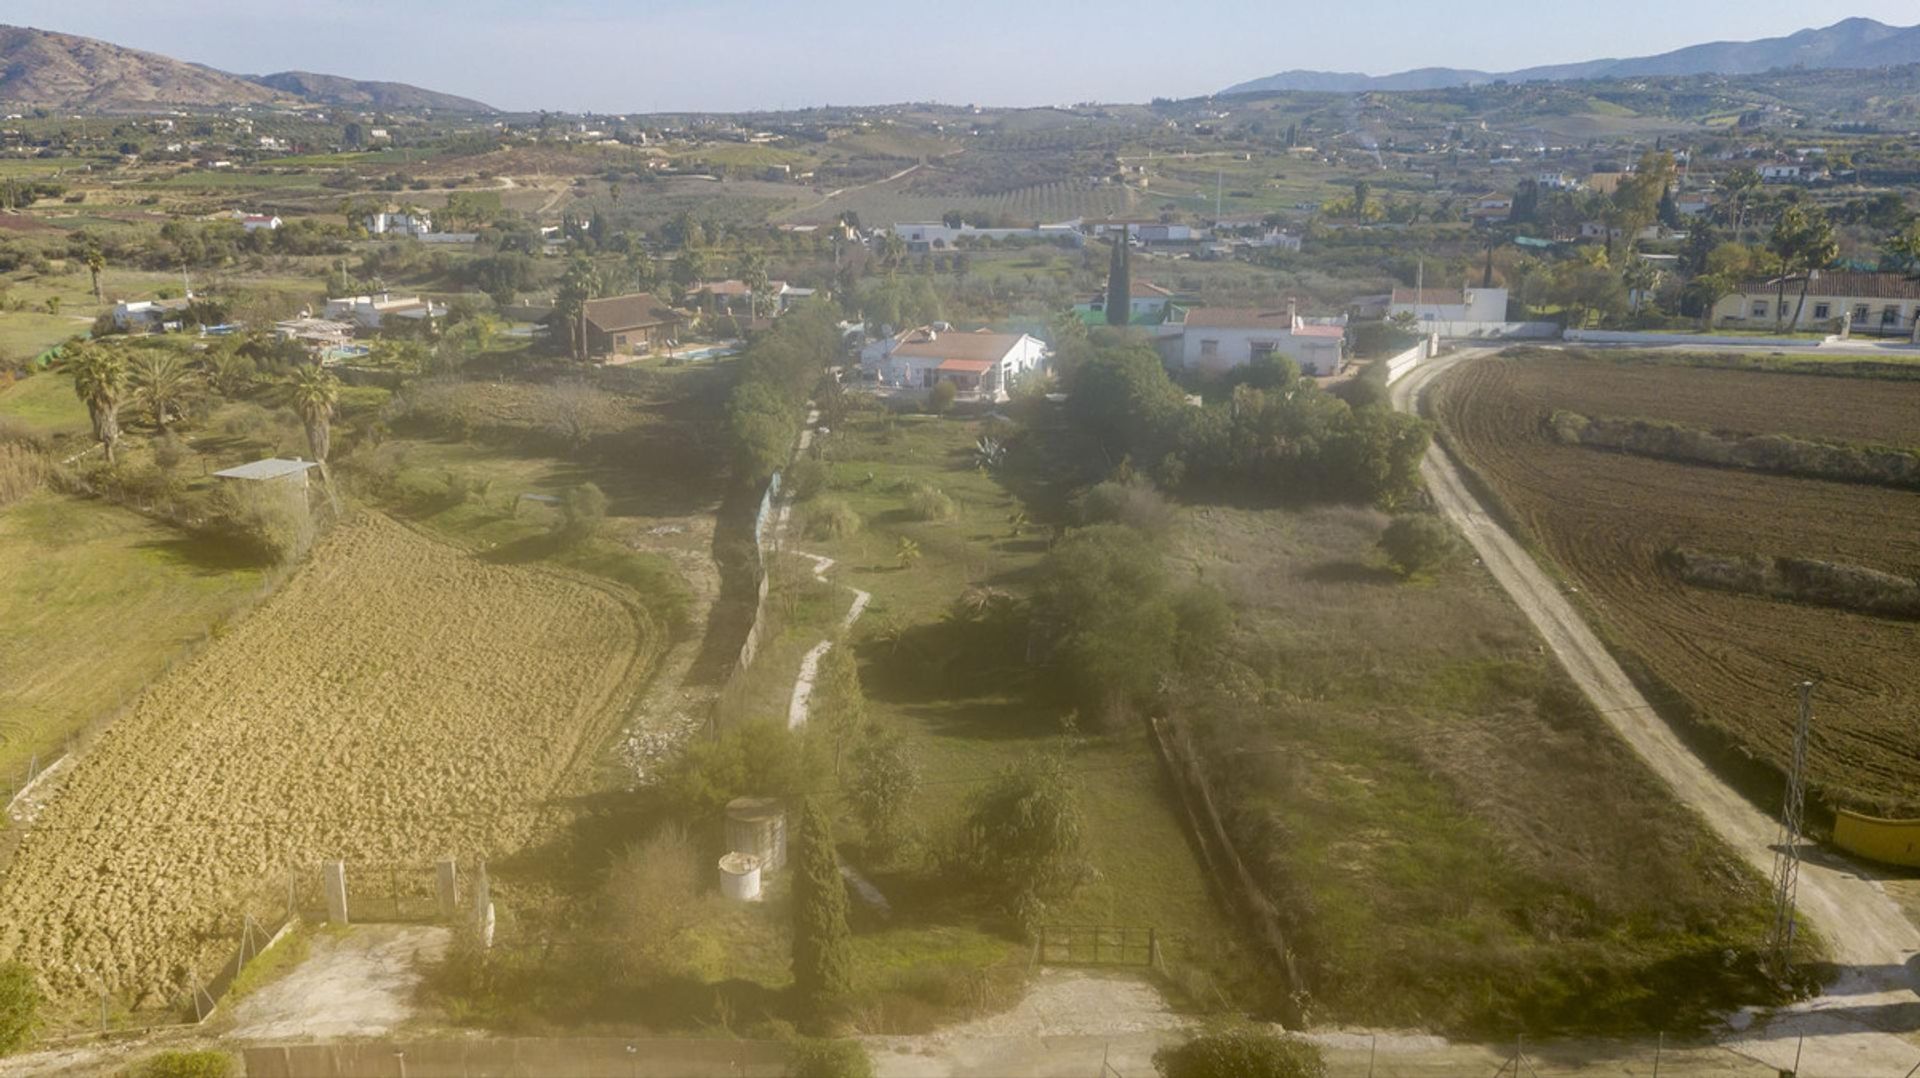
[(822, 949), (161, 382), (1804, 241)]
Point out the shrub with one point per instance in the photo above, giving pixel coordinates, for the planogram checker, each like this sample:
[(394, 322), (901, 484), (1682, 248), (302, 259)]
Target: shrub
[(931, 504), (651, 899), (265, 520), (1240, 1053), (202, 1064), (831, 518), (811, 1057), (582, 509), (940, 398), (1417, 542), (170, 452), (20, 1001), (421, 489), (1022, 837), (806, 478), (1134, 503), (22, 471)]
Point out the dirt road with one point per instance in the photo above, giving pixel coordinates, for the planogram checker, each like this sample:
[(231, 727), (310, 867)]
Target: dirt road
[(1866, 932)]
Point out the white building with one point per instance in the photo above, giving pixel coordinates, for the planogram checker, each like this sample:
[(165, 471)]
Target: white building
[(1216, 339), (147, 315), (1451, 304), (1791, 173), (253, 222), (415, 223), (372, 312), (982, 362), (1556, 181)]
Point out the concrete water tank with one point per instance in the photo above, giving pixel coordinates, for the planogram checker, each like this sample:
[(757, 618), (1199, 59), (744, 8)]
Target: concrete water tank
[(740, 877), (758, 825)]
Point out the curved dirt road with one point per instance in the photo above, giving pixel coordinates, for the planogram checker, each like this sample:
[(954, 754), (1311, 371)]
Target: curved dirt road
[(1866, 933)]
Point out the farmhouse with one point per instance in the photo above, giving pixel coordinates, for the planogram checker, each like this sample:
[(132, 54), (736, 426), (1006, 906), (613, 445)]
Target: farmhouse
[(982, 362), (1147, 307), (148, 315), (254, 222), (1451, 304), (1880, 304), (1217, 339), (373, 312), (629, 325), (410, 223)]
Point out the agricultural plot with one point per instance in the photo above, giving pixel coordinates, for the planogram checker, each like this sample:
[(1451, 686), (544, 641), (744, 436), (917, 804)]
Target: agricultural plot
[(397, 700), (913, 199), (1724, 660)]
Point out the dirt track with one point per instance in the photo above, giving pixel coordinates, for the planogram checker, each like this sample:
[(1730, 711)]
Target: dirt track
[(1865, 931)]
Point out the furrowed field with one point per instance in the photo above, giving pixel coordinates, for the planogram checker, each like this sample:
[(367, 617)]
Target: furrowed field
[(398, 700), (1722, 658)]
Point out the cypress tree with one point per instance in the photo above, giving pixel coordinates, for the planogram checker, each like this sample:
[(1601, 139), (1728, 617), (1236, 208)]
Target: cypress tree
[(822, 962), (1120, 282)]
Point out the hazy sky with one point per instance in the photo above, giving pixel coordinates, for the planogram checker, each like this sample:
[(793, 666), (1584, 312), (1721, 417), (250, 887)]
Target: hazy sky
[(656, 55)]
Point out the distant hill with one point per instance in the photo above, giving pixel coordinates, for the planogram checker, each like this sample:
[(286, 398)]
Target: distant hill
[(52, 70), (1850, 43), (353, 93), (63, 71)]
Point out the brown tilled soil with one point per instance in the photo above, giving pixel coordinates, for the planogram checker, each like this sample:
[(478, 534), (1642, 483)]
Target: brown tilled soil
[(1606, 517), (398, 701)]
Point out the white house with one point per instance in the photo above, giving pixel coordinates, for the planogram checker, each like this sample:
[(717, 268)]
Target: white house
[(1799, 173), (253, 222), (1556, 181), (372, 312), (1217, 339), (415, 223), (1451, 304), (983, 362), (147, 315)]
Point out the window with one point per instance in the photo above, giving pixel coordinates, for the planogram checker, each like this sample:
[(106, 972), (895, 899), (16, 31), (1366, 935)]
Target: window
[(1890, 316), (1822, 311), (1262, 349), (1860, 313), (1759, 308), (1209, 348)]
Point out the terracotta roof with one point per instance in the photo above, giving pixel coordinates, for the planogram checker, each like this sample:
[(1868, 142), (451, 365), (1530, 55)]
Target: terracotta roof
[(970, 366), (1845, 286), (1320, 331), (1430, 297), (990, 347), (1250, 318), (634, 311)]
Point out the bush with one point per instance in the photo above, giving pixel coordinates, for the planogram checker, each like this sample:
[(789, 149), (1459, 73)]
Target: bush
[(1417, 542), (930, 504), (170, 452), (652, 901), (421, 489), (831, 518), (22, 471), (1022, 837), (1134, 503), (582, 509), (265, 520), (806, 478), (20, 1001), (203, 1064), (811, 1057), (1240, 1053), (940, 398)]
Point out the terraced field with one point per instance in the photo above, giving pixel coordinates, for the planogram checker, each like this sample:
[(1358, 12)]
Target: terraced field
[(1728, 659), (396, 701)]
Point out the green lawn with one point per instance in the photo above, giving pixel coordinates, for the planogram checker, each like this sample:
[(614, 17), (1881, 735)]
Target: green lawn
[(45, 403), (95, 601)]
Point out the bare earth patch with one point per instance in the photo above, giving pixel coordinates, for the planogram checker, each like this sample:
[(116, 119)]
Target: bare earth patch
[(359, 984)]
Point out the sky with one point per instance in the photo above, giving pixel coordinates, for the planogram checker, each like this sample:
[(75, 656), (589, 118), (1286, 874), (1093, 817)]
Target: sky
[(738, 55)]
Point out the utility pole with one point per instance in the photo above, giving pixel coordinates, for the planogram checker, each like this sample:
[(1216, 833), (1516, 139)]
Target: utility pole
[(1219, 184), (1786, 863)]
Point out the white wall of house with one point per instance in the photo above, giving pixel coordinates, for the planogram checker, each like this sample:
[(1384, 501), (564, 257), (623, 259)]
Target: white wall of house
[(1478, 305), (1216, 349)]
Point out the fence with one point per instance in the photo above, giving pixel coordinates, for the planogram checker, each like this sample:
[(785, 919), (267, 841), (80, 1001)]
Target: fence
[(1399, 366), (1097, 945), (1493, 330), (763, 522), (1700, 340)]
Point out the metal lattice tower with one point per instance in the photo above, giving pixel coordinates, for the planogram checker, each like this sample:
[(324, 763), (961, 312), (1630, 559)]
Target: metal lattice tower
[(1786, 862)]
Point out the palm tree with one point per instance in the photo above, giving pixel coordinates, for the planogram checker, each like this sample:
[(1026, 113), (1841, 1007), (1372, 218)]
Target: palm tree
[(161, 380), (892, 248), (315, 392), (96, 264), (99, 380)]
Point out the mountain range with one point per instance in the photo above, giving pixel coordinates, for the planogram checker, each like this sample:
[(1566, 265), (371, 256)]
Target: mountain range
[(39, 68), (1850, 43)]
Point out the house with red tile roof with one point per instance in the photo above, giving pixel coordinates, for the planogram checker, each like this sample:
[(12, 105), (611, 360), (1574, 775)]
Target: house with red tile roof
[(1218, 339), (982, 362)]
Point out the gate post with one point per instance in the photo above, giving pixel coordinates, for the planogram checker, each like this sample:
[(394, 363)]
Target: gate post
[(333, 876), (447, 888)]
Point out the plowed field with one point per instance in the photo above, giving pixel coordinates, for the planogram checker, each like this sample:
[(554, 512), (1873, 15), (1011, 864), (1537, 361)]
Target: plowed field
[(396, 701), (1605, 517)]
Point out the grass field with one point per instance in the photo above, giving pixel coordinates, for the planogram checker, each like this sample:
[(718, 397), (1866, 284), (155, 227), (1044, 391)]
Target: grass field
[(45, 403), (1456, 840), (397, 700), (85, 579), (1727, 661)]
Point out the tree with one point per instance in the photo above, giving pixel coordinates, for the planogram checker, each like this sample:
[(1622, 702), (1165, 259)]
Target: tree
[(838, 704), (1362, 190), (1804, 241), (20, 1001), (940, 398), (1022, 837), (881, 791), (1903, 249), (161, 381), (100, 381), (1740, 183), (822, 951), (315, 392), (1120, 281), (96, 264), (578, 284), (1240, 1053), (1417, 542)]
